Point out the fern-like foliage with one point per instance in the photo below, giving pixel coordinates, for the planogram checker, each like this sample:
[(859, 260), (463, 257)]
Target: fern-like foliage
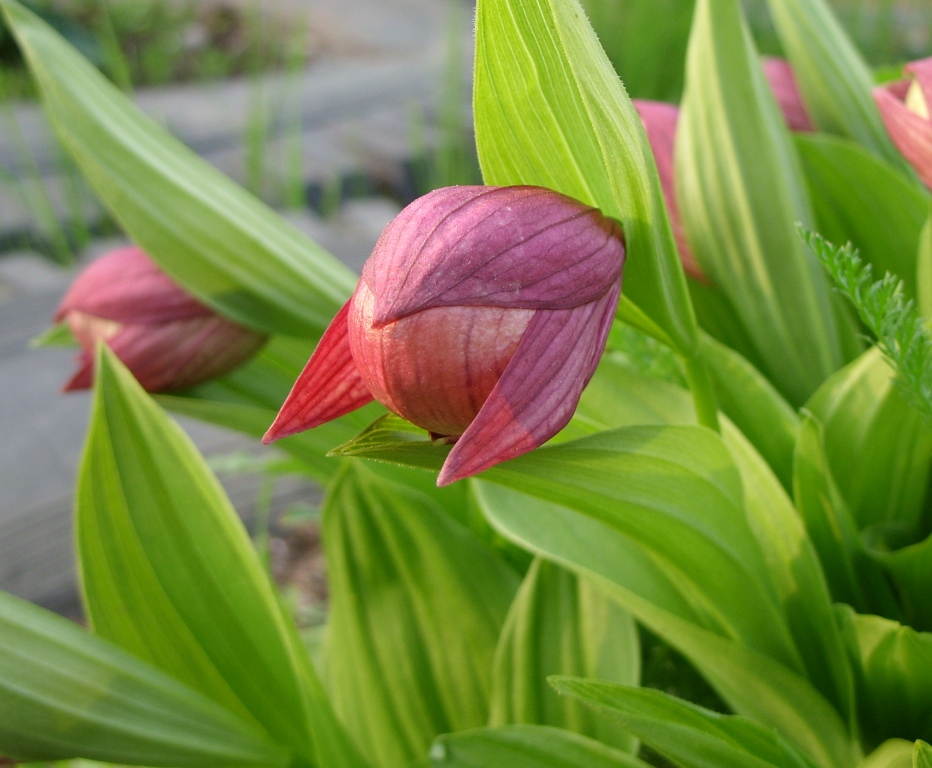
[(900, 332)]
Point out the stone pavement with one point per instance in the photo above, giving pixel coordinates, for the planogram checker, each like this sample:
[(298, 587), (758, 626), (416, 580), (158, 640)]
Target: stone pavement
[(355, 105)]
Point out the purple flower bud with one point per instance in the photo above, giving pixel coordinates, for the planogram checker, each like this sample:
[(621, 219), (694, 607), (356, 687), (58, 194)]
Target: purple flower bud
[(782, 81), (905, 107), (480, 316), (166, 337)]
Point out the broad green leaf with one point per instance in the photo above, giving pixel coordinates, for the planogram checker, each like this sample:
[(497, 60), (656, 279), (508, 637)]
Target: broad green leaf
[(688, 735), (878, 446), (550, 110), (752, 683), (65, 693), (911, 570), (526, 746), (562, 624), (893, 665), (859, 198), (922, 756), (741, 193), (169, 573), (924, 270), (853, 577), (755, 407), (417, 603), (835, 81), (218, 241), (895, 753)]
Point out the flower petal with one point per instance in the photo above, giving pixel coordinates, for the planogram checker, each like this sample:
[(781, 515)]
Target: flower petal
[(539, 390), (910, 132), (782, 81), (127, 286), (328, 387), (518, 247)]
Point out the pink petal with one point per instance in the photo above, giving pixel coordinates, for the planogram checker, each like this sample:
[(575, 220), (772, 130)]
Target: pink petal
[(922, 71), (539, 390), (328, 387), (83, 378), (518, 247), (782, 81), (660, 122), (911, 133), (127, 286)]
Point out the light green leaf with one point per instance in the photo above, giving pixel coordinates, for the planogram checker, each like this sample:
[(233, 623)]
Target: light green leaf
[(417, 604), (853, 577), (562, 624), (924, 270), (688, 735), (526, 746), (65, 693), (755, 407), (895, 753), (893, 665), (878, 446), (911, 569), (835, 81), (859, 198), (741, 192), (209, 234), (922, 756), (393, 439), (550, 110), (169, 573)]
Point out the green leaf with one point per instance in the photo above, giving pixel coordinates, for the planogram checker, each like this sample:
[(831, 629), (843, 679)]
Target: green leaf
[(922, 756), (391, 438), (209, 234), (169, 573), (911, 570), (688, 735), (894, 753), (550, 110), (755, 407), (853, 577), (562, 624), (835, 81), (65, 693), (526, 746), (859, 198), (741, 191), (924, 270), (894, 673), (878, 446), (417, 604)]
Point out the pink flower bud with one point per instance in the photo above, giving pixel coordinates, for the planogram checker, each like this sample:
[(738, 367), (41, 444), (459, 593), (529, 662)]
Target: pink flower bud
[(166, 337), (480, 316), (905, 108), (782, 81)]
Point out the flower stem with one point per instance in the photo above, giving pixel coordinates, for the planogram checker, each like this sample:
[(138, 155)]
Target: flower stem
[(703, 395)]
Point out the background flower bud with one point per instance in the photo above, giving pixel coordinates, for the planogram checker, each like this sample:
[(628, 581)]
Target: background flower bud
[(782, 81), (166, 337), (480, 316), (904, 107)]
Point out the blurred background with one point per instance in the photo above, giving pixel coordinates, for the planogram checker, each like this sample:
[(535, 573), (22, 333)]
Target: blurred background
[(336, 113)]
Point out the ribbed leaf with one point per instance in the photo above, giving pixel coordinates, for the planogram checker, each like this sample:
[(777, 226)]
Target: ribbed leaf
[(741, 192), (922, 755), (690, 736), (858, 197), (878, 446), (911, 570), (526, 746), (835, 81), (169, 573), (924, 270), (417, 603), (550, 110), (65, 693), (894, 753), (894, 672), (212, 236), (562, 624)]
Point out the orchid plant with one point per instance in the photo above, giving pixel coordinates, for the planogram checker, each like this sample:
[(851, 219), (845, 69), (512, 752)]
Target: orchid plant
[(763, 513)]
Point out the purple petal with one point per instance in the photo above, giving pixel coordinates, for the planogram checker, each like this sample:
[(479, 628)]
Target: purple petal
[(127, 286), (910, 132), (518, 247), (539, 390), (328, 387), (782, 81)]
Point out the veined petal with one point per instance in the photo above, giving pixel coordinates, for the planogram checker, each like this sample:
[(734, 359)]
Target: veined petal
[(539, 390), (517, 247), (127, 286), (328, 387)]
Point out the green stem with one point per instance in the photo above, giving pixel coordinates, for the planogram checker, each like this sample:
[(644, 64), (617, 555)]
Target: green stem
[(703, 395)]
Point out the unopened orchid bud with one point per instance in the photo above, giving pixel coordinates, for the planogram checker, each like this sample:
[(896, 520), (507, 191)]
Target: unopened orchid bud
[(480, 316), (166, 337), (905, 108), (782, 81)]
